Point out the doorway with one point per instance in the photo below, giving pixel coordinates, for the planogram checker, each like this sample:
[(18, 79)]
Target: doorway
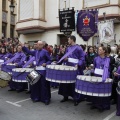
[(63, 39)]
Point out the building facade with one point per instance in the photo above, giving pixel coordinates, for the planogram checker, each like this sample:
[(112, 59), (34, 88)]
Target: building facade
[(8, 20), (39, 19)]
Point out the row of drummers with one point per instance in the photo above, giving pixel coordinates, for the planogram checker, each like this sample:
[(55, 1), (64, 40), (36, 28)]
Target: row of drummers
[(95, 89)]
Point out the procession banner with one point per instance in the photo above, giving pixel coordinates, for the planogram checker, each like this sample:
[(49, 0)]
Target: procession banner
[(106, 31), (67, 20), (87, 23)]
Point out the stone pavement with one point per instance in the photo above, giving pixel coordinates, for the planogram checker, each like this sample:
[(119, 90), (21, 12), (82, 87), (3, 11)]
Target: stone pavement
[(18, 106)]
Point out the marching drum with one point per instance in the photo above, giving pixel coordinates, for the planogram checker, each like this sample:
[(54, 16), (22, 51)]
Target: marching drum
[(93, 86), (4, 79), (33, 77), (8, 68), (19, 74), (61, 73)]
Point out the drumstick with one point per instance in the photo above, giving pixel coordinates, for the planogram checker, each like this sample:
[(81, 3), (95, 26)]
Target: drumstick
[(21, 73)]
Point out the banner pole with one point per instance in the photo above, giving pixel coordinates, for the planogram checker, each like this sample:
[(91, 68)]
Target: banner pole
[(65, 4), (104, 14)]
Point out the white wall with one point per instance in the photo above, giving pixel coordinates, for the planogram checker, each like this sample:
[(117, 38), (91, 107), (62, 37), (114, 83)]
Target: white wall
[(49, 36), (51, 17)]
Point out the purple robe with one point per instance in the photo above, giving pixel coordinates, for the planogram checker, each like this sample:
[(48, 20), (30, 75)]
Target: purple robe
[(118, 96), (2, 56), (69, 89), (8, 56), (101, 103), (41, 90), (18, 58), (30, 61)]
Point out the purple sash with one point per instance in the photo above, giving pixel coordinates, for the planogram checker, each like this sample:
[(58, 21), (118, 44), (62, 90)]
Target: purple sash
[(28, 62), (105, 70), (67, 54), (12, 59)]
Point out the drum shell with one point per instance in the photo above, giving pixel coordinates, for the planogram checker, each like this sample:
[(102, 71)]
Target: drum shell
[(33, 77), (8, 68), (19, 74), (100, 89), (62, 75)]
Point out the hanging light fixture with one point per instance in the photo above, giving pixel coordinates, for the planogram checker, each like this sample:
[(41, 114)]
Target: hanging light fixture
[(12, 6)]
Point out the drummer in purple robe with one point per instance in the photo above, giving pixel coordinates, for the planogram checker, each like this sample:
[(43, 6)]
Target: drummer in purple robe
[(41, 90), (75, 57), (102, 69), (18, 60), (117, 74), (8, 55)]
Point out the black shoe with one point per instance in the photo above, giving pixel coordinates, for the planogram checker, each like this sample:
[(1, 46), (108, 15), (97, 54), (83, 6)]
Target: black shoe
[(76, 103), (28, 92), (47, 103), (64, 99), (11, 90), (34, 101), (89, 103), (92, 107), (18, 91), (113, 102), (101, 109)]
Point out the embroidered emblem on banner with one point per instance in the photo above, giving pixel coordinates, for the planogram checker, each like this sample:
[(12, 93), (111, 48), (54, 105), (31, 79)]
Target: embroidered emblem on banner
[(86, 21)]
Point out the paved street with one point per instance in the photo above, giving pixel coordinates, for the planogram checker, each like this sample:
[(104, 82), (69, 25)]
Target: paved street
[(18, 106)]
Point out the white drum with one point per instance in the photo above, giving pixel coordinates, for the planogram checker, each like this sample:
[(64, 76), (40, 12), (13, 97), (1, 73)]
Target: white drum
[(93, 86), (61, 73)]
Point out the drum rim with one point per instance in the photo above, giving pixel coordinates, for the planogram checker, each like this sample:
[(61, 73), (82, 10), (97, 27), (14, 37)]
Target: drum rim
[(60, 81), (23, 69), (92, 94), (69, 68), (82, 77), (15, 80)]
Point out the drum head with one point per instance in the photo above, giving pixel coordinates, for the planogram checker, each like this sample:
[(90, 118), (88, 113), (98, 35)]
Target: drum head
[(5, 76), (33, 77)]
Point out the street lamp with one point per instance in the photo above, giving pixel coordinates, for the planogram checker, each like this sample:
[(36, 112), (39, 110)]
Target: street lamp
[(12, 6)]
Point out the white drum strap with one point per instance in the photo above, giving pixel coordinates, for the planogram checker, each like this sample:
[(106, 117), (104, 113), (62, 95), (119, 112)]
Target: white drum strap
[(72, 60)]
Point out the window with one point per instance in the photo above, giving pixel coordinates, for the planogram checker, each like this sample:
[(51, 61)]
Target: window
[(26, 9), (4, 4), (42, 9), (4, 27), (12, 27)]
